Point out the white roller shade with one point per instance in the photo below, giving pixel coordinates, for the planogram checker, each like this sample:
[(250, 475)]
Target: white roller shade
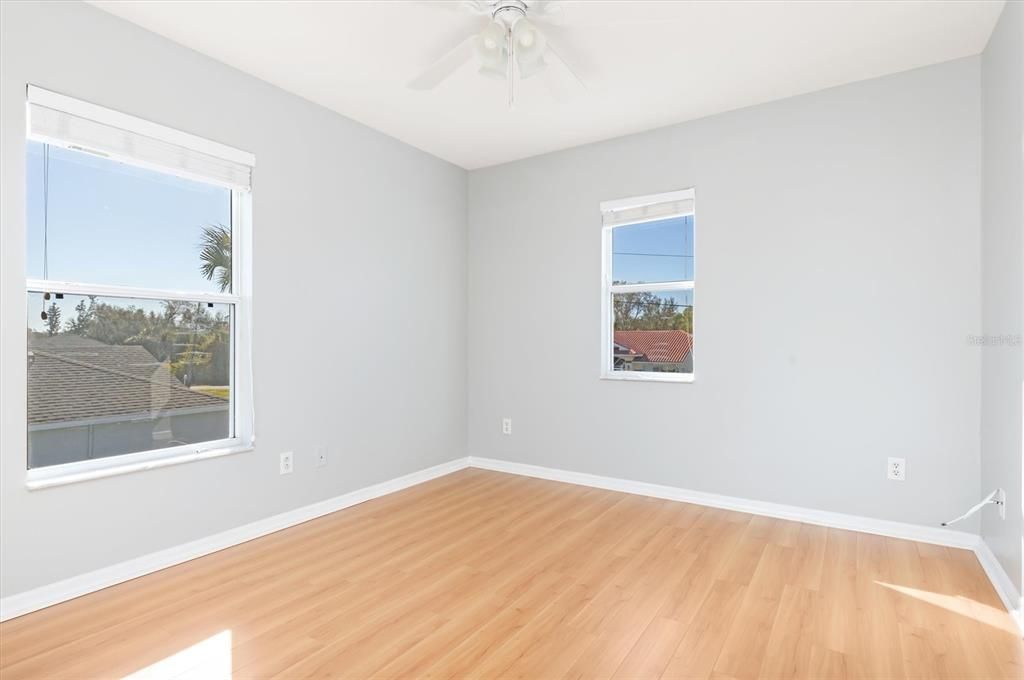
[(647, 208), (74, 124)]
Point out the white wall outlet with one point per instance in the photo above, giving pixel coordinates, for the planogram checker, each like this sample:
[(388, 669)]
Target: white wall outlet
[(1001, 502), (897, 469), (506, 426), (286, 463), (321, 457)]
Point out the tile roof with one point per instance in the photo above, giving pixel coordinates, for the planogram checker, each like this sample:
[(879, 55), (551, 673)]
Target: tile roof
[(659, 346), (72, 378)]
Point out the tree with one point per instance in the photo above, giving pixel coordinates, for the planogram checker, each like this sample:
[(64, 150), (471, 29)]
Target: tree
[(215, 254), (203, 356), (84, 314), (648, 311), (194, 341), (683, 321), (52, 319)]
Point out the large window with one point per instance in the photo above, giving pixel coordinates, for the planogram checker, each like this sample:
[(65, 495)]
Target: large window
[(647, 288), (137, 293)]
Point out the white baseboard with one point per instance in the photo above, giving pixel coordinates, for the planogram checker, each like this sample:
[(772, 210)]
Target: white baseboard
[(838, 520), (1002, 582), (76, 586), (44, 596)]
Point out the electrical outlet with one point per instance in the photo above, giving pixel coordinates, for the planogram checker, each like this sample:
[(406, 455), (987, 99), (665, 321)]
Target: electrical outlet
[(897, 469), (506, 426), (286, 463), (321, 457), (1001, 500)]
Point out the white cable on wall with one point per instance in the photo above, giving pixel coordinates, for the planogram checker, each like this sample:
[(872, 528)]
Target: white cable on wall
[(997, 497)]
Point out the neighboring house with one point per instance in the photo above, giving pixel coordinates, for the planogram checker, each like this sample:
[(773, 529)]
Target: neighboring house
[(662, 351), (87, 399)]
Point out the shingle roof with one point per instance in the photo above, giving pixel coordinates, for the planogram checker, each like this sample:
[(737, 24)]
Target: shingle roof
[(71, 378), (661, 346)]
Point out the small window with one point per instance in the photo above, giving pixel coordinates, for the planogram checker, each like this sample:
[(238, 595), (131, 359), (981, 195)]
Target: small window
[(648, 287), (137, 306)]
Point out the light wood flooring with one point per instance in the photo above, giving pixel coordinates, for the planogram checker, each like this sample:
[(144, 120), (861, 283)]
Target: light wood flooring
[(481, 574)]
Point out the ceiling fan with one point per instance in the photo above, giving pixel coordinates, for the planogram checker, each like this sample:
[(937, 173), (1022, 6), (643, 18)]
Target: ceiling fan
[(507, 45)]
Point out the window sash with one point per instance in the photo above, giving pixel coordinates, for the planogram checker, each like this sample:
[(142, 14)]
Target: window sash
[(76, 288), (686, 284), (608, 371), (237, 437), (242, 412)]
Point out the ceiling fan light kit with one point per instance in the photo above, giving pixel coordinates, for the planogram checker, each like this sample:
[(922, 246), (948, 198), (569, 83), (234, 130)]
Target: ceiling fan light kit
[(530, 45), (491, 50), (508, 46)]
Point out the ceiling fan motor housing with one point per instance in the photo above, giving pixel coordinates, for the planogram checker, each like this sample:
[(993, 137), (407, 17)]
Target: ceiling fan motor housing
[(509, 12)]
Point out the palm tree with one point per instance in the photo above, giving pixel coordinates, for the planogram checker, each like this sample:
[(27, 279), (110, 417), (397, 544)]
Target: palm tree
[(215, 253)]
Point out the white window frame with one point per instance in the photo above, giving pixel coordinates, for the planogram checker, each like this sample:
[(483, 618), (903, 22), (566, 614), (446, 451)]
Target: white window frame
[(240, 301), (608, 371)]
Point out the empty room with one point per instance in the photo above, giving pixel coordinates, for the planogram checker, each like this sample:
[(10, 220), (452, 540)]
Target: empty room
[(634, 339)]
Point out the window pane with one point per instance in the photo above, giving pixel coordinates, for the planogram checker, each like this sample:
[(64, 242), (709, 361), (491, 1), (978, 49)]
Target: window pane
[(109, 376), (94, 220), (653, 332), (653, 252)]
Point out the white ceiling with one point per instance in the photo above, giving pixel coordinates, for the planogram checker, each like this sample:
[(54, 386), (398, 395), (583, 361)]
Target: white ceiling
[(646, 64)]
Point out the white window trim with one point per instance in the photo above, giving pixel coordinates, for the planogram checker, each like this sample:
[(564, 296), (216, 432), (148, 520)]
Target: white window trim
[(608, 288), (98, 468), (648, 376), (242, 411)]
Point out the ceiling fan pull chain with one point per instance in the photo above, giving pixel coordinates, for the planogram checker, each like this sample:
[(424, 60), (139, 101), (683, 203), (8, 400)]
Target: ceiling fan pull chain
[(511, 67)]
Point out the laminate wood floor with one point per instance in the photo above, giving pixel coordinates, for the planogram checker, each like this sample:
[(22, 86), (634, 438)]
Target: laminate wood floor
[(482, 574)]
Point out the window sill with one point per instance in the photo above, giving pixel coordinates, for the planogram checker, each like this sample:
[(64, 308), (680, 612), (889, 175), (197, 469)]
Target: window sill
[(47, 479), (638, 376)]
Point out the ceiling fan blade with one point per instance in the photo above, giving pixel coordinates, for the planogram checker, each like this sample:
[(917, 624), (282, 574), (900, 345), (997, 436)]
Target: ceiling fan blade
[(445, 66), (557, 54)]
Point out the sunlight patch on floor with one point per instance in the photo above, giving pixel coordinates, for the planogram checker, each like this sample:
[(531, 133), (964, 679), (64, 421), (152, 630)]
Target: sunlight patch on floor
[(972, 609), (209, 659)]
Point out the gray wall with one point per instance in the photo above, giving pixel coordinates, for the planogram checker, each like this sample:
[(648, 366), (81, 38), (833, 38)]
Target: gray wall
[(347, 221), (837, 281), (1002, 209)]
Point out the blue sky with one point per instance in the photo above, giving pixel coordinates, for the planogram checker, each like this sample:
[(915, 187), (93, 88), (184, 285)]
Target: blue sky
[(115, 224), (653, 252)]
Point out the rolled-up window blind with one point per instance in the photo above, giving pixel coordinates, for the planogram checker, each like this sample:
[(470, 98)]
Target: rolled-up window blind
[(74, 124), (647, 208)]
